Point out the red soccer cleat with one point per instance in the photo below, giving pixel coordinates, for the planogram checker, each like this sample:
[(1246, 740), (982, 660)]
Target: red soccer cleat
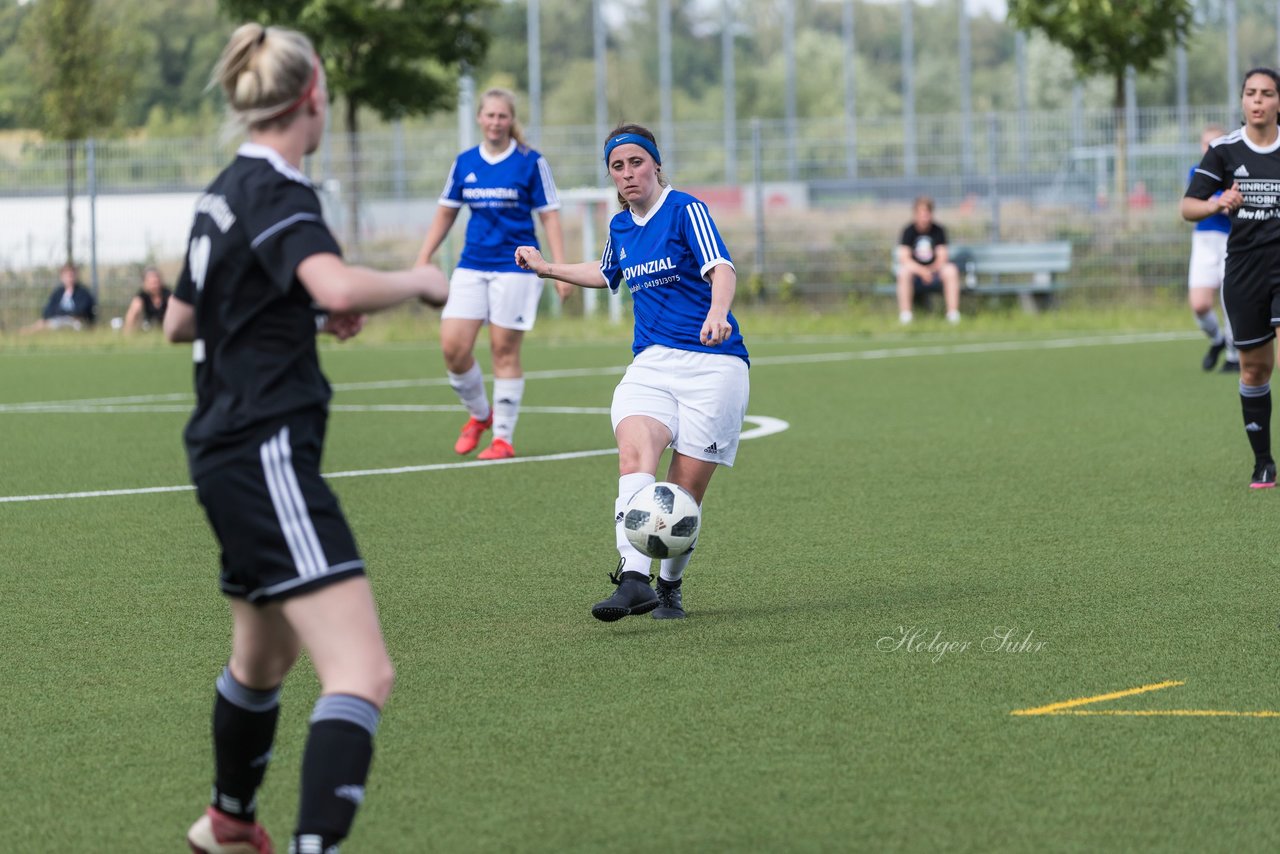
[(470, 435), (218, 833), (500, 450)]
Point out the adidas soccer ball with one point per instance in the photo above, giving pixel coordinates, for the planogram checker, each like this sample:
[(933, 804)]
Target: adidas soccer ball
[(662, 520)]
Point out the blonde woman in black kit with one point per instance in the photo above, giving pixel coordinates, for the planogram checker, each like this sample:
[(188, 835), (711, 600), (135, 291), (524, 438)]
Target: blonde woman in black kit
[(263, 274)]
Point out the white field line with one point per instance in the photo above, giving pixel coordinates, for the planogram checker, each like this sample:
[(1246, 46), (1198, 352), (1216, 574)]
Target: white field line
[(134, 402), (147, 403), (765, 426)]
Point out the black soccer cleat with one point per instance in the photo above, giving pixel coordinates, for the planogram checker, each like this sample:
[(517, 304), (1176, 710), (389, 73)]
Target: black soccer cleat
[(633, 597), (1264, 475), (670, 606), (1230, 366), (1210, 360)]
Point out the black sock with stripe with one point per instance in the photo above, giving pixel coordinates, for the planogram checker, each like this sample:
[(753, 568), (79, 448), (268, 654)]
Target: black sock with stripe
[(335, 765), (244, 728), (1255, 403)]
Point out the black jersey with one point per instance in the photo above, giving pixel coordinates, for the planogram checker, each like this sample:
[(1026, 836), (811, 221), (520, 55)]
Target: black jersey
[(255, 348), (151, 312), (923, 244), (1234, 159)]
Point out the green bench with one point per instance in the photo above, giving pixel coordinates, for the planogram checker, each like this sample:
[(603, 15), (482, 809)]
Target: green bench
[(1030, 271)]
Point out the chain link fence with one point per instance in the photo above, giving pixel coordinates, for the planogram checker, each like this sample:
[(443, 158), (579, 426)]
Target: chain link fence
[(810, 209)]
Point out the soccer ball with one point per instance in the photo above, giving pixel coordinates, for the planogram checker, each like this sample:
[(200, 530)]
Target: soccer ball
[(662, 520)]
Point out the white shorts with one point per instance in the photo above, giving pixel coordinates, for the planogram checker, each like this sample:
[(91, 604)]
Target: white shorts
[(508, 300), (700, 397), (1208, 259)]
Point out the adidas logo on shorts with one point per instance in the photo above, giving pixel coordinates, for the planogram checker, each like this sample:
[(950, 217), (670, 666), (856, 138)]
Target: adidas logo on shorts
[(711, 449)]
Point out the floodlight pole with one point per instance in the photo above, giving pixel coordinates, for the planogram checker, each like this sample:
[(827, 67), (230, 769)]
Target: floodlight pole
[(666, 126), (730, 93), (534, 38), (599, 50)]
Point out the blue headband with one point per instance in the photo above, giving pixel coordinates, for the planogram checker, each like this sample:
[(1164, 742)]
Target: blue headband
[(633, 139)]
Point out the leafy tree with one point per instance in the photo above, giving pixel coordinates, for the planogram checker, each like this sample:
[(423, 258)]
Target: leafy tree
[(399, 57), (1107, 37), (183, 39), (15, 87), (82, 62)]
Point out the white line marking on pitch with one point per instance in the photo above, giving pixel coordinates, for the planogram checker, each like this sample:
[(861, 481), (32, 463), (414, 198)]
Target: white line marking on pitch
[(133, 402), (765, 426)]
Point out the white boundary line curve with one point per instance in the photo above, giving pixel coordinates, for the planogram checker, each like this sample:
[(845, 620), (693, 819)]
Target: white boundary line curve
[(765, 426)]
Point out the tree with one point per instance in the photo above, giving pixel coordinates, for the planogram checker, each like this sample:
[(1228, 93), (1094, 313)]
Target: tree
[(82, 63), (15, 89), (1107, 37), (398, 57)]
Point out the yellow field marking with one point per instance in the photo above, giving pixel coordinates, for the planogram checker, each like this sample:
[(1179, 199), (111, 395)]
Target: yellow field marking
[(1184, 713), (1068, 707), (1055, 708)]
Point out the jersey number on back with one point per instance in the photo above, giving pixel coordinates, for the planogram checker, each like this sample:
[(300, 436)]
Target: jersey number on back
[(198, 260)]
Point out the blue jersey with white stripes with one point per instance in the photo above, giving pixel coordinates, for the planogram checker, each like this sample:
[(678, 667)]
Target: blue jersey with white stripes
[(503, 193), (666, 258), (1219, 221)]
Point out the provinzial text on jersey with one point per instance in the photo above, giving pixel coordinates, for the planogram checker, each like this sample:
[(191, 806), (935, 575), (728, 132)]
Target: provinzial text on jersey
[(648, 268), (486, 193)]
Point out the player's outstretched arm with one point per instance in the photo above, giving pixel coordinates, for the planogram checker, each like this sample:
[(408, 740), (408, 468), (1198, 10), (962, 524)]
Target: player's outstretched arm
[(584, 275), (342, 289)]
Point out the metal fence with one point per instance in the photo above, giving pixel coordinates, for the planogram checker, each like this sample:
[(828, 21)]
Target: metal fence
[(810, 209)]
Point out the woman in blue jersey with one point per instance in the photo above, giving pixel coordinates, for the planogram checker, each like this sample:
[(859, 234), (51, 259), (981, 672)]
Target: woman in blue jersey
[(687, 386), (1205, 272), (504, 182)]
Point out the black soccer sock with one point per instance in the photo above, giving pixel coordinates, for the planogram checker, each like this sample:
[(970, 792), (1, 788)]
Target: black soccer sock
[(1255, 402), (244, 727), (335, 765)]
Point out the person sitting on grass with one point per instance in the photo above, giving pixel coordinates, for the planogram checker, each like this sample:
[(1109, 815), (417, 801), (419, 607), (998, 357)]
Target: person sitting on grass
[(70, 306)]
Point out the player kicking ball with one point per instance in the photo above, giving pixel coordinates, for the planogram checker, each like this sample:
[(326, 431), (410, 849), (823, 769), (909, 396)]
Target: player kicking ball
[(687, 386)]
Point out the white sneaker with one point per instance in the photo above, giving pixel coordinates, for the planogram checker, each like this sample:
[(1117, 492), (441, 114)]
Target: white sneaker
[(905, 317), (953, 317)]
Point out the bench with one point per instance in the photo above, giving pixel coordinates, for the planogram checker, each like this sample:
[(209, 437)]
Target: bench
[(1029, 271)]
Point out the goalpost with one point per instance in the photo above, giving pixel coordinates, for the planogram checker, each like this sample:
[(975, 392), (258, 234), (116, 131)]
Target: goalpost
[(592, 207)]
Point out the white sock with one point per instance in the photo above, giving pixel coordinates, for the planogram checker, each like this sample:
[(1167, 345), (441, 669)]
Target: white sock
[(904, 317), (470, 390), (672, 568), (1233, 355), (1208, 323), (633, 560), (953, 317), (506, 406)]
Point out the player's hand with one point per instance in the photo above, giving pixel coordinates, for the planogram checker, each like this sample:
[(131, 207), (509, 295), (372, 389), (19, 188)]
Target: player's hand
[(715, 330), (563, 289), (1231, 200), (433, 286), (343, 326), (529, 258)]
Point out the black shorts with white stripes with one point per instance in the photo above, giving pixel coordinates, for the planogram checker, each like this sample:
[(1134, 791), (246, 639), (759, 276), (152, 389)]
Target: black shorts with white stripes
[(1251, 294), (280, 527)]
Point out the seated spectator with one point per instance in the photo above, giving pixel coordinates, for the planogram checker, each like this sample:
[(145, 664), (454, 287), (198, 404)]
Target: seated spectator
[(71, 305), (146, 309), (924, 266)]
